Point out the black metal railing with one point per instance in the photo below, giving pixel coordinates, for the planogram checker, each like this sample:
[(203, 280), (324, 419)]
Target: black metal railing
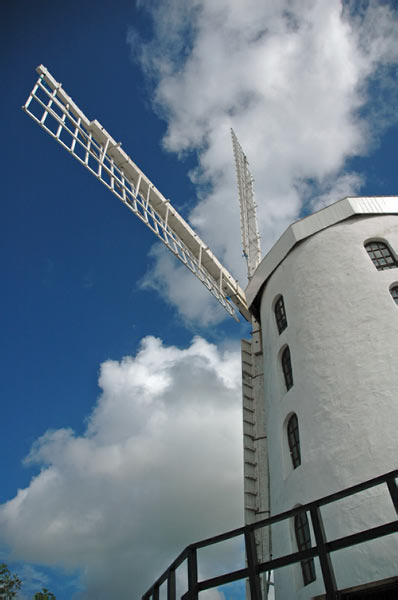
[(322, 548)]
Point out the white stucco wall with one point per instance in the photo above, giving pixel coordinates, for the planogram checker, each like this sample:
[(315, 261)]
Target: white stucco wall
[(343, 338)]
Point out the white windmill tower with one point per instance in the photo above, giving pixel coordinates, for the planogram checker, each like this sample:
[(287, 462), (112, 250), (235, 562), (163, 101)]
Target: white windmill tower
[(320, 406)]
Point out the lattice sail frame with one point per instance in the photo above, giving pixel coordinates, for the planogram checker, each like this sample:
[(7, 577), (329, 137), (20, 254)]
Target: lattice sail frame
[(94, 148), (248, 216)]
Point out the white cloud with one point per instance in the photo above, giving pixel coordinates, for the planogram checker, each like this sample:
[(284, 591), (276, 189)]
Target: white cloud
[(158, 468), (179, 287), (290, 77), (338, 187)]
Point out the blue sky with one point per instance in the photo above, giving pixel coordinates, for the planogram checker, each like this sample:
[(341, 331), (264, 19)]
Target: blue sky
[(309, 91)]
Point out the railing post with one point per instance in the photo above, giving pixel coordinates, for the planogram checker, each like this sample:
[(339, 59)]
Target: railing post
[(171, 585), (155, 595), (324, 556), (252, 564), (393, 489), (192, 574)]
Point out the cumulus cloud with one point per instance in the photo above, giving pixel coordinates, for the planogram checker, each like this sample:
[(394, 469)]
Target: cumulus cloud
[(302, 82), (178, 287), (158, 467)]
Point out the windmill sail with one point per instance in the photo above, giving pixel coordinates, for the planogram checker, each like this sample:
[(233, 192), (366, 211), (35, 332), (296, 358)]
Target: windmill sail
[(95, 149), (248, 217)]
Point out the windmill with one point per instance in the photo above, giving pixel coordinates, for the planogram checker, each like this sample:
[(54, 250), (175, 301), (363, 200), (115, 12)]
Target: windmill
[(319, 373)]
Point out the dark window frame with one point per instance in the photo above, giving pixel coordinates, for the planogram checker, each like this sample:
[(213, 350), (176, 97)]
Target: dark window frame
[(293, 439), (280, 314), (303, 540), (381, 255), (287, 368), (394, 292)]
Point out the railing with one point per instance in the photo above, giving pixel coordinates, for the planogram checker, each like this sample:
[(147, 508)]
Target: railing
[(322, 548)]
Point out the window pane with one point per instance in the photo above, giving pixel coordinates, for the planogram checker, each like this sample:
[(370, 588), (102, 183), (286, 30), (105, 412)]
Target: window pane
[(394, 293), (303, 539), (287, 368), (381, 255), (294, 441), (280, 314)]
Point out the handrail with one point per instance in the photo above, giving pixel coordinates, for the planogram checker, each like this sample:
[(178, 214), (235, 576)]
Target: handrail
[(322, 547)]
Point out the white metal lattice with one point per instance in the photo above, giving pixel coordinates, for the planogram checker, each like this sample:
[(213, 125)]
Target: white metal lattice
[(248, 217), (94, 148)]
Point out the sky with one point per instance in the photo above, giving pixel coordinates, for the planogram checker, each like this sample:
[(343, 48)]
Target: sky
[(121, 423)]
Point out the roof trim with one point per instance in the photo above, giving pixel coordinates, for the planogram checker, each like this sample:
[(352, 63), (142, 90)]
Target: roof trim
[(308, 226)]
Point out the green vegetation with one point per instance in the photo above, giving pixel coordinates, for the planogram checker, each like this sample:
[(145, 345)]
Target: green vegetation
[(44, 595), (10, 584)]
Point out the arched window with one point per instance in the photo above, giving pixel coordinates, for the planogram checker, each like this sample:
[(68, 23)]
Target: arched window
[(294, 440), (394, 292), (287, 368), (280, 314), (303, 538), (381, 255)]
